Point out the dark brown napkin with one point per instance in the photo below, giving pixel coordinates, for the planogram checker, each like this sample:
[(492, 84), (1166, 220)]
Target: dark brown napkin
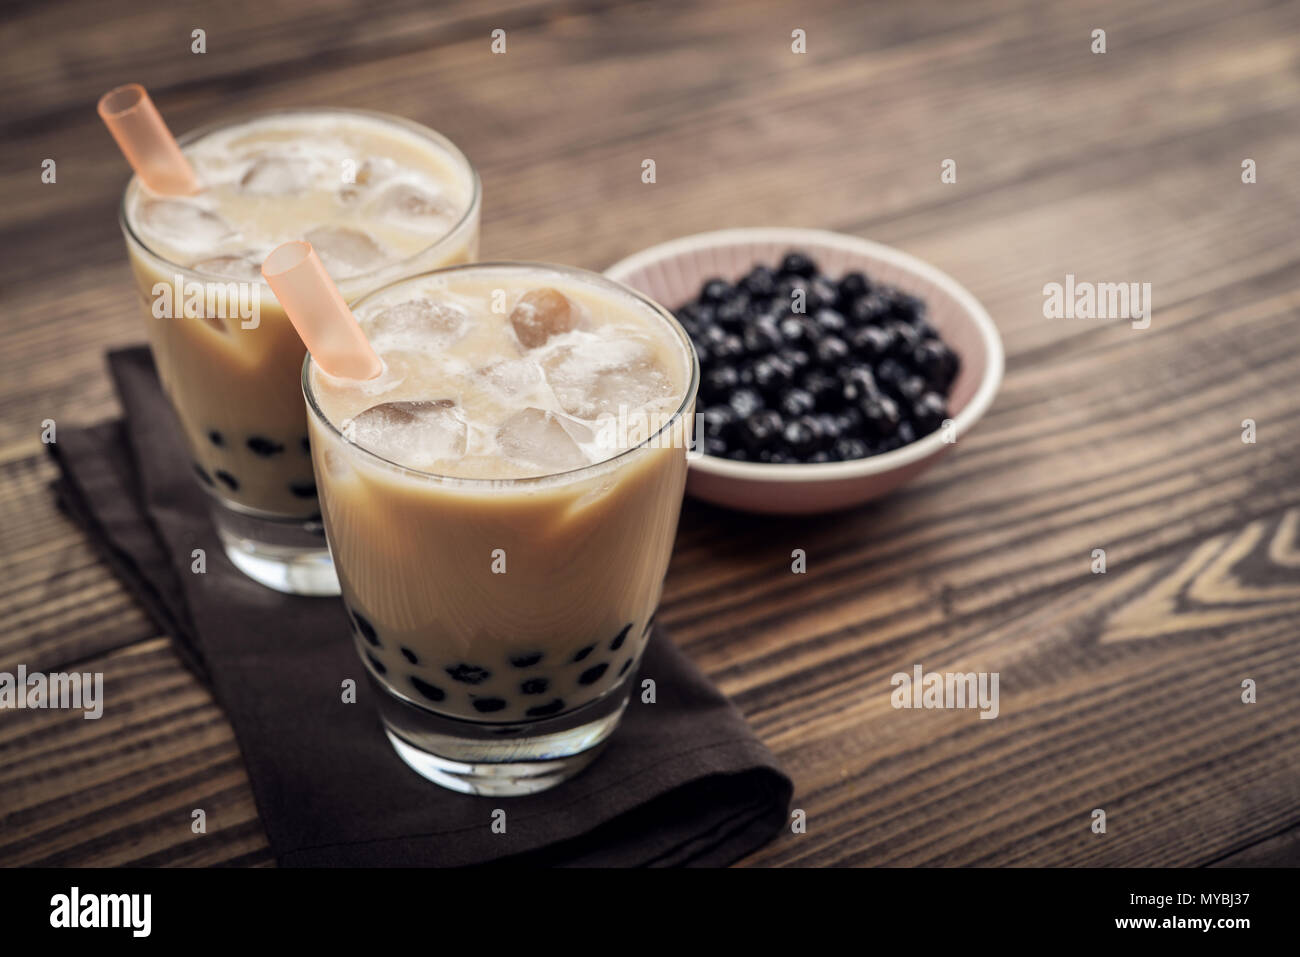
[(682, 782)]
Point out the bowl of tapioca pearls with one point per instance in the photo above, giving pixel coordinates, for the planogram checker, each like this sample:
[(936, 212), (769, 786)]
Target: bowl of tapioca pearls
[(833, 369)]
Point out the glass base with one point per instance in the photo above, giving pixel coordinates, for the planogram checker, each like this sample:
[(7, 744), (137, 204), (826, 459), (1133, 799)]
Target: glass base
[(499, 759), (288, 556)]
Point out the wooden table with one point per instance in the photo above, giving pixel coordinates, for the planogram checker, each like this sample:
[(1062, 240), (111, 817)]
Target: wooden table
[(1119, 691)]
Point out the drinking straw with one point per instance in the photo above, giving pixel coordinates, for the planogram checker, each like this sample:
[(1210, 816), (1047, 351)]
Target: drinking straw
[(317, 310), (145, 141)]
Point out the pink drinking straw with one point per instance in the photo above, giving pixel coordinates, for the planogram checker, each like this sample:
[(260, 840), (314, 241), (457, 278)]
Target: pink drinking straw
[(317, 310), (145, 141)]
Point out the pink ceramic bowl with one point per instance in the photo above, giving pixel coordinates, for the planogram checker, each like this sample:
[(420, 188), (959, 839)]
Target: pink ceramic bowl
[(671, 273)]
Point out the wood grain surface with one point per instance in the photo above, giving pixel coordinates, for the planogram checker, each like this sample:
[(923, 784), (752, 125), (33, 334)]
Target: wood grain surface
[(1118, 691)]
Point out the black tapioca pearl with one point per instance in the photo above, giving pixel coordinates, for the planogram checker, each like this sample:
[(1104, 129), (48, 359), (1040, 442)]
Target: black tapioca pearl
[(409, 655), (367, 630), (795, 263), (488, 705), (216, 438), (432, 692), (469, 674), (534, 686), (627, 664), (303, 489), (377, 664), (617, 643), (203, 475), (526, 661), (263, 446), (306, 445), (583, 652), (545, 710), (228, 480), (593, 674)]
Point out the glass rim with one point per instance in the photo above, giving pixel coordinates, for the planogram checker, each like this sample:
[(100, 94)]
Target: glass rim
[(191, 136), (688, 396)]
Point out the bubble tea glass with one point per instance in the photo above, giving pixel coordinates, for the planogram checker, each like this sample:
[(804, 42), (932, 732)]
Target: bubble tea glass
[(501, 502), (380, 197)]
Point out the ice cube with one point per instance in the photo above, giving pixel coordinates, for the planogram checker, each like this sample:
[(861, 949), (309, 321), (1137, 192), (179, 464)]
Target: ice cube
[(374, 170), (546, 442), (371, 172), (278, 175), (336, 464), (412, 433), (540, 314), (512, 376), (418, 324), (415, 207), (345, 251), (605, 375), (231, 267), (185, 222)]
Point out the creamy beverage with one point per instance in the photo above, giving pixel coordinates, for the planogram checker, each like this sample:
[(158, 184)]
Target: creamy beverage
[(501, 501), (378, 198)]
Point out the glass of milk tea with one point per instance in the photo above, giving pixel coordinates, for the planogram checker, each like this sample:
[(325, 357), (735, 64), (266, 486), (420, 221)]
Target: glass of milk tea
[(379, 198), (501, 502)]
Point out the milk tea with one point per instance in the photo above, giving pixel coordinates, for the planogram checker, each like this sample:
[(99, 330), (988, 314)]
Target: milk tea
[(377, 197), (501, 501)]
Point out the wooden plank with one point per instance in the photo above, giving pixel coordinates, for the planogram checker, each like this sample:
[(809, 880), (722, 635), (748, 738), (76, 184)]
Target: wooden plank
[(975, 240), (59, 603), (1280, 850), (244, 42), (1118, 690), (1087, 720), (121, 789)]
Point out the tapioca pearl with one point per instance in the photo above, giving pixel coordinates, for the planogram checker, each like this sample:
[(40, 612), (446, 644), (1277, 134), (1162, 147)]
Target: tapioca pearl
[(228, 480), (377, 664), (432, 692), (545, 710), (469, 674), (583, 652), (306, 445), (409, 655), (593, 674), (367, 630), (216, 438), (488, 705), (627, 664), (263, 446), (534, 686), (617, 643), (303, 489), (526, 661), (203, 475)]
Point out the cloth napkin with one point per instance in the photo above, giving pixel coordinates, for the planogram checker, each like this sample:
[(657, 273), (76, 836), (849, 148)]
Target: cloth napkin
[(683, 781)]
